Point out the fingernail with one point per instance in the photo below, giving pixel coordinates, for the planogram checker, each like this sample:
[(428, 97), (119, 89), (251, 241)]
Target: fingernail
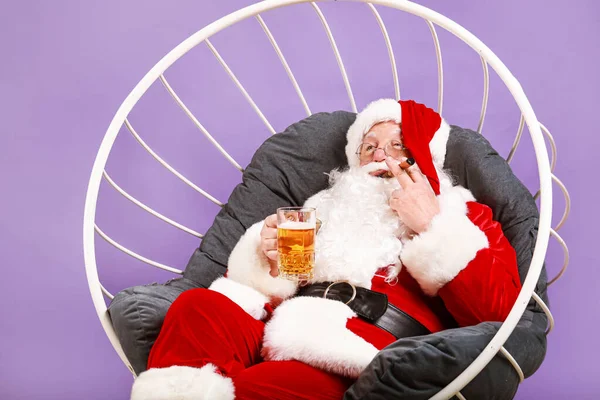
[(410, 161)]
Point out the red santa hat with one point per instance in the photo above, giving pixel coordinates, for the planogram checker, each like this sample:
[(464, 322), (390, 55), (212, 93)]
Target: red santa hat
[(424, 133)]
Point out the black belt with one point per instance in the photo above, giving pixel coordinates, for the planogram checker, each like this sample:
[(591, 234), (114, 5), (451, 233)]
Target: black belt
[(369, 305)]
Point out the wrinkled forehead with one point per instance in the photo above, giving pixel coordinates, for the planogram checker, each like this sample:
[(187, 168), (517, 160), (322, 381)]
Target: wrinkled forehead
[(383, 132)]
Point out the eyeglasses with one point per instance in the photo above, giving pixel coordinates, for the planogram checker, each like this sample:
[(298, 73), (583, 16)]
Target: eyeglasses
[(394, 149)]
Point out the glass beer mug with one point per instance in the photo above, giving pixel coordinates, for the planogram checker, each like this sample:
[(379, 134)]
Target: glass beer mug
[(296, 230)]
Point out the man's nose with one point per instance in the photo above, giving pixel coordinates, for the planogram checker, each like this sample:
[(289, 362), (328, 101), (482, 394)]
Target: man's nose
[(379, 155)]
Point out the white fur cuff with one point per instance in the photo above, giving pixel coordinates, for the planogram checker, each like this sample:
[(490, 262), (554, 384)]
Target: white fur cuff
[(436, 256), (251, 300), (182, 383), (313, 330)]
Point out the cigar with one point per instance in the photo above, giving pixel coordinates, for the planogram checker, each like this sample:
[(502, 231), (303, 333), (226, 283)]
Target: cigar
[(407, 163), (403, 165)]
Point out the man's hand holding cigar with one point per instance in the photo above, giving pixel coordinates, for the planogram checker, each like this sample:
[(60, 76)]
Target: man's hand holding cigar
[(416, 204)]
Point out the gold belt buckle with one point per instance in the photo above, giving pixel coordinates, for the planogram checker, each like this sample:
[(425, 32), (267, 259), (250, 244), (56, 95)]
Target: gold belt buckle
[(335, 283)]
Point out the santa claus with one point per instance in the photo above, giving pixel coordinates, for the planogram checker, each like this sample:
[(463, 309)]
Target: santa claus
[(401, 252)]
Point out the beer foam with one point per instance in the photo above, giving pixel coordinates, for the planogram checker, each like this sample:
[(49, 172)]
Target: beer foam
[(295, 225)]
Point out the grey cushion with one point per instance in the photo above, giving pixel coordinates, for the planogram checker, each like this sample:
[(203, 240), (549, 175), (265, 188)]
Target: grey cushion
[(290, 167), (137, 315)]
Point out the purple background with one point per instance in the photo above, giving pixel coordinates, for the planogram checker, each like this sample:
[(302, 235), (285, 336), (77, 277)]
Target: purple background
[(66, 67)]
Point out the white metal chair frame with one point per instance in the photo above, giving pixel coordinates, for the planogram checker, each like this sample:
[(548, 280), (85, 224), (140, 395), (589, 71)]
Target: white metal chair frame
[(432, 19)]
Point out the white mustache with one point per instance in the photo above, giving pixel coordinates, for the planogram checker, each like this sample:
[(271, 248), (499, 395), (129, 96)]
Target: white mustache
[(375, 166)]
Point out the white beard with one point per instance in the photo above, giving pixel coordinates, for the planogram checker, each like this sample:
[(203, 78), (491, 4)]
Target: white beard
[(360, 232)]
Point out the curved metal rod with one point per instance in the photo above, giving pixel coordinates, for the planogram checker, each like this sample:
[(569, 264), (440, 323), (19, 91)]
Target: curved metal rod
[(106, 292), (388, 44), (517, 140), (284, 63), (440, 65), (150, 210), (564, 190), (197, 123), (239, 85), (337, 55), (544, 307), (167, 166), (567, 197), (513, 362), (136, 255), (565, 252), (486, 93), (546, 132)]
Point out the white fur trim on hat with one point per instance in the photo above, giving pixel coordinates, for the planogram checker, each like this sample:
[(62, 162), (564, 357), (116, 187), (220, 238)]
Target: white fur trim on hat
[(436, 256), (437, 145), (390, 110), (182, 383), (313, 330)]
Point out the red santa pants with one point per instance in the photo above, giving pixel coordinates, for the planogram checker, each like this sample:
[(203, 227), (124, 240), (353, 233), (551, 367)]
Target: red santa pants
[(203, 326)]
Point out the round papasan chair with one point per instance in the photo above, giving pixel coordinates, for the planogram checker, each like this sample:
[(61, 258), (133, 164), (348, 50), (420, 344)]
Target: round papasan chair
[(488, 360)]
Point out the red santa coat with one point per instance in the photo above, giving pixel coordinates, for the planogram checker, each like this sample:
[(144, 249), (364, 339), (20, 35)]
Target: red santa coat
[(462, 266)]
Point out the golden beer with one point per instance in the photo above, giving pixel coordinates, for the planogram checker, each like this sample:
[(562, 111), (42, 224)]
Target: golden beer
[(296, 244)]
